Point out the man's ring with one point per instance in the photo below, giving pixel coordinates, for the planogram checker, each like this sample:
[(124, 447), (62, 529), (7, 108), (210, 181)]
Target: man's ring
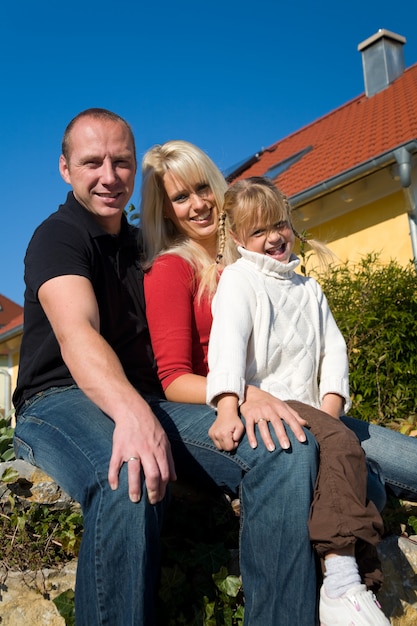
[(132, 458)]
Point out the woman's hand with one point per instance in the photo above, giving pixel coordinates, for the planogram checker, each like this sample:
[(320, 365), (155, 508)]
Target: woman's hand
[(259, 408)]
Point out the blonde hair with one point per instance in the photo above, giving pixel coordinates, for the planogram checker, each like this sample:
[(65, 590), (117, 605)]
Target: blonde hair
[(252, 202), (160, 236)]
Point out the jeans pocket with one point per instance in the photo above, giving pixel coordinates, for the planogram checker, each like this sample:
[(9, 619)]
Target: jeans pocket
[(23, 451)]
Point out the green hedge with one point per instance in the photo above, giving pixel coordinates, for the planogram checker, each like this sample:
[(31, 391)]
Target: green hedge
[(375, 306)]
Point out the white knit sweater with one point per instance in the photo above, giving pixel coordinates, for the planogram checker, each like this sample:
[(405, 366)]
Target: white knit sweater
[(273, 328)]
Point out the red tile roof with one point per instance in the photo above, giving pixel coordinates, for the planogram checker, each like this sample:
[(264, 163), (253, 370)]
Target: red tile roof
[(8, 310), (346, 137), (12, 325)]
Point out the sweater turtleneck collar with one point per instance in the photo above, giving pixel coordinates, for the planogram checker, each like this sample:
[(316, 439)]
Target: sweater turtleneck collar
[(270, 266)]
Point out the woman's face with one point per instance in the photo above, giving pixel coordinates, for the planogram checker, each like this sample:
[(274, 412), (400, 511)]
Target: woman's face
[(192, 209)]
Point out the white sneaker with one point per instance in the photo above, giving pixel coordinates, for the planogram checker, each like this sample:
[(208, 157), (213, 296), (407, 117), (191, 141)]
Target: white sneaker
[(357, 607)]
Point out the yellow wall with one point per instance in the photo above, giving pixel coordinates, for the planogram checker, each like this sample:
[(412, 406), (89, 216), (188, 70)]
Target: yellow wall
[(15, 367), (11, 350), (380, 227)]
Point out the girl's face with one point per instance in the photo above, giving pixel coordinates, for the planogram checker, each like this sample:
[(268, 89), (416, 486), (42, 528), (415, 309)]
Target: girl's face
[(192, 208), (276, 241)]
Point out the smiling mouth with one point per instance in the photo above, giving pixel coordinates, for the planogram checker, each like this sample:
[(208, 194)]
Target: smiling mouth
[(277, 249), (202, 217), (108, 195)]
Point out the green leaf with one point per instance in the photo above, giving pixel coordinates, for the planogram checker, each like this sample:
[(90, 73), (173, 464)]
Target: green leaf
[(65, 605), (230, 585), (10, 475), (171, 583), (210, 557), (412, 521)]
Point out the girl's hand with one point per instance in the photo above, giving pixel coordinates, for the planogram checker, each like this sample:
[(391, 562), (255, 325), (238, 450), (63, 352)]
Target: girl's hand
[(226, 431), (260, 408)]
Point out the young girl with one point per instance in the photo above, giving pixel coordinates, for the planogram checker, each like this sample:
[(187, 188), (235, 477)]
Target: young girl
[(273, 329)]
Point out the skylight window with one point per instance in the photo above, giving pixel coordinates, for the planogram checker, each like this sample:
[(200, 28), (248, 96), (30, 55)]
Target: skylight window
[(275, 170)]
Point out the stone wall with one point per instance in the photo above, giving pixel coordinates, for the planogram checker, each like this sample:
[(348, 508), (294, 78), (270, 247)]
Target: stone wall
[(398, 595), (26, 598)]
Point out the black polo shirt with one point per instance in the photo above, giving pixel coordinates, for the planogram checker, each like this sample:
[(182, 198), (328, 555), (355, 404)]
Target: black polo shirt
[(71, 242)]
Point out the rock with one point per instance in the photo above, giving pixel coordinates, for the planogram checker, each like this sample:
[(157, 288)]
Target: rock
[(26, 598), (32, 485), (398, 596)]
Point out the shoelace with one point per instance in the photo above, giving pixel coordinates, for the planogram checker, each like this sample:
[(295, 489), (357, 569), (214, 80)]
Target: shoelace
[(357, 606), (375, 599)]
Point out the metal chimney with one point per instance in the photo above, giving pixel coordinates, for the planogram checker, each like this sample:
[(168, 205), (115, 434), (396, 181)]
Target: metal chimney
[(382, 60)]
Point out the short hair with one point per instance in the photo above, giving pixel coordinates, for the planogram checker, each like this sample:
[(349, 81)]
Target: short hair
[(98, 114)]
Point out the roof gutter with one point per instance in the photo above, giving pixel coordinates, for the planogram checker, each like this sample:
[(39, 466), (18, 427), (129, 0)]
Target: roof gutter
[(402, 155), (411, 193), (9, 334)]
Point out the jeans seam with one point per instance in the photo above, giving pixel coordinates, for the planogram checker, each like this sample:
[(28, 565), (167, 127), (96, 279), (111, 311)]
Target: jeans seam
[(398, 484)]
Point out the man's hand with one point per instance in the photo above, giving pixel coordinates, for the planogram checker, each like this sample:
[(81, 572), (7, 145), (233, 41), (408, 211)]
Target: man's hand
[(143, 445)]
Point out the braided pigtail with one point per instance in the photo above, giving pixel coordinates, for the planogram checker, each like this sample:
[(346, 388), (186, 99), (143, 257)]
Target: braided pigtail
[(300, 237), (210, 274), (221, 236), (324, 255)]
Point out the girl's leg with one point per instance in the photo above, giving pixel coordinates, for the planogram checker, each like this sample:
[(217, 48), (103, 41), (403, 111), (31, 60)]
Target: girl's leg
[(340, 512), (341, 516)]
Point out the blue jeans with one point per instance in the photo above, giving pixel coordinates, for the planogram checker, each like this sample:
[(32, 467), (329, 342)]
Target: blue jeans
[(392, 459), (68, 437)]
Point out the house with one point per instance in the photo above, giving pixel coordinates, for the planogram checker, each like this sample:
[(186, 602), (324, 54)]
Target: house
[(351, 176), (8, 311), (11, 330)]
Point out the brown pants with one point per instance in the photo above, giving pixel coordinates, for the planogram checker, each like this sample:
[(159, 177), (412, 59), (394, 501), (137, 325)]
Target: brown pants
[(340, 513)]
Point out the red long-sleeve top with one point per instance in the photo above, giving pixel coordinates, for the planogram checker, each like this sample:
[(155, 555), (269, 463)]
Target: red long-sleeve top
[(178, 325)]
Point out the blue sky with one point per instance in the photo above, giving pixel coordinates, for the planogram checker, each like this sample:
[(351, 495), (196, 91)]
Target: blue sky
[(232, 76)]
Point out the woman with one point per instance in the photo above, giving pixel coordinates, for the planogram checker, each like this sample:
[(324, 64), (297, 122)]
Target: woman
[(277, 562)]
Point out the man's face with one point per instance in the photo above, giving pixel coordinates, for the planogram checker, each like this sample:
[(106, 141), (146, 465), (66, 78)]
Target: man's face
[(101, 169)]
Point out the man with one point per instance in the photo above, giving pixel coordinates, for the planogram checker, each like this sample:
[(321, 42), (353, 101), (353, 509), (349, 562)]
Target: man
[(91, 414)]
